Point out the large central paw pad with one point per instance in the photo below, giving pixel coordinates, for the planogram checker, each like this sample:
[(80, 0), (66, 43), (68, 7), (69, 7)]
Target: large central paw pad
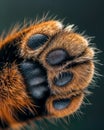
[(36, 79)]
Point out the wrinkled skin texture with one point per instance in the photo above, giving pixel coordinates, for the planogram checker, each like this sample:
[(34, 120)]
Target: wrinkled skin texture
[(44, 72)]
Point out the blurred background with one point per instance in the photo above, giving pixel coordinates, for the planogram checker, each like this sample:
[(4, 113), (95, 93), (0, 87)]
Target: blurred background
[(89, 16)]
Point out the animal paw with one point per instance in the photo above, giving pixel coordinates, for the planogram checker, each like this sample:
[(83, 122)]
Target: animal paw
[(46, 69)]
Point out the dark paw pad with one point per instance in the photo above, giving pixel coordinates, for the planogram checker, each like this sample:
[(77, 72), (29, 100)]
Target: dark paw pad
[(63, 78), (35, 77), (37, 41), (39, 92), (61, 103), (57, 57)]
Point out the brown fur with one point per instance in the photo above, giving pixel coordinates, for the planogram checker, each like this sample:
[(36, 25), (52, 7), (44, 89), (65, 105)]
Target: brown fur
[(13, 94)]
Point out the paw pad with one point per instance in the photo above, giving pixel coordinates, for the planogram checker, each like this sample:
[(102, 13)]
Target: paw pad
[(57, 57), (37, 40), (61, 103), (35, 77), (63, 78)]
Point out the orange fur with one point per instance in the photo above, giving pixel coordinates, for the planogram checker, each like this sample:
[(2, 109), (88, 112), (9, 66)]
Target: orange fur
[(13, 95), (70, 109)]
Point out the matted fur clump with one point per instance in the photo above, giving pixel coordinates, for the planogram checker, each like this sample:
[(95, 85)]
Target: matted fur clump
[(45, 69)]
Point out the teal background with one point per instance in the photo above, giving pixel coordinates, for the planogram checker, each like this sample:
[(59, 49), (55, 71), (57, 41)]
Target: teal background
[(89, 16)]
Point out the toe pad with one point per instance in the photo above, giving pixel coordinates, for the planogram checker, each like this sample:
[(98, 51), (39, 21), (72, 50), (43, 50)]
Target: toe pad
[(37, 40), (63, 79), (57, 57), (61, 103)]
